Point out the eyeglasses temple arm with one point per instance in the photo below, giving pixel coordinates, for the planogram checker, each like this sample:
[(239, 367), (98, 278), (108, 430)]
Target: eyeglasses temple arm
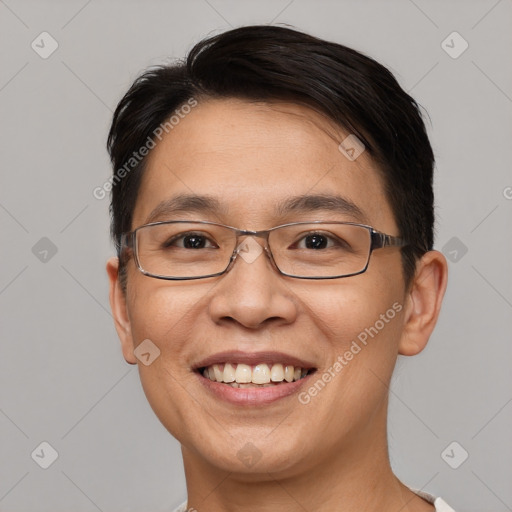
[(382, 240), (125, 246)]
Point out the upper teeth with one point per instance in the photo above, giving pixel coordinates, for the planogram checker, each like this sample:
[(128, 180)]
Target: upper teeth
[(257, 374)]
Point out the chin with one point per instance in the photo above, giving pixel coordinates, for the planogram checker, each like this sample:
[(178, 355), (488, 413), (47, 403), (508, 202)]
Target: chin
[(253, 455)]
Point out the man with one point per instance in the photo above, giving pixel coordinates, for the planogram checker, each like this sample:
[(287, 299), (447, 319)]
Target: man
[(272, 209)]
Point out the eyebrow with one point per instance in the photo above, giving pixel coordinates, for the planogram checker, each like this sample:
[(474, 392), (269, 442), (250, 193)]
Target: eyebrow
[(312, 203), (186, 203), (203, 204)]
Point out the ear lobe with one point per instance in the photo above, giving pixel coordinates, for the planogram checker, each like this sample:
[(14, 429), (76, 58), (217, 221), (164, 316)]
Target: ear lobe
[(423, 302), (120, 311)]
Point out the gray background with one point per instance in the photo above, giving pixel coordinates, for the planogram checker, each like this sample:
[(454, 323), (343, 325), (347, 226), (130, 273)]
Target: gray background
[(63, 377)]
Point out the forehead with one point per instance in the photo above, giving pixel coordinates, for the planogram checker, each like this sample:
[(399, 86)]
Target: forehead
[(254, 160)]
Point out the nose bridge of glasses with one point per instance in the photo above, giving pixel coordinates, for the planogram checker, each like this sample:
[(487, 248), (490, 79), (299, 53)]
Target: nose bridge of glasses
[(247, 243)]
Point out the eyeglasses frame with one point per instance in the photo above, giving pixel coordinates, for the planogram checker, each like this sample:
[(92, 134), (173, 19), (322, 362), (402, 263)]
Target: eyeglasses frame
[(379, 240)]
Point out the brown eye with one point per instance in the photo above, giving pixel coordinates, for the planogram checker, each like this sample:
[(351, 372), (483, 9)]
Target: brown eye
[(189, 241), (315, 241)]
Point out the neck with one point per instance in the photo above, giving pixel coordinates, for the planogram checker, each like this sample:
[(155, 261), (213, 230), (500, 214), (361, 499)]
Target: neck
[(356, 476)]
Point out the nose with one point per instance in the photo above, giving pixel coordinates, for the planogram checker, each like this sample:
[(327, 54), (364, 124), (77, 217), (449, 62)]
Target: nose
[(252, 293)]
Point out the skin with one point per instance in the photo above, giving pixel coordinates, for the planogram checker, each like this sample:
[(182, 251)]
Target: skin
[(332, 453)]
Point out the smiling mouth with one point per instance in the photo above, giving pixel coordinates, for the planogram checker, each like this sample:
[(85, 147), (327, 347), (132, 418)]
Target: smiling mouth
[(239, 375)]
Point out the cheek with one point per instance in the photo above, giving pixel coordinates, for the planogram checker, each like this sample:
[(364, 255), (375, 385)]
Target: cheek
[(347, 311), (162, 311), (165, 314)]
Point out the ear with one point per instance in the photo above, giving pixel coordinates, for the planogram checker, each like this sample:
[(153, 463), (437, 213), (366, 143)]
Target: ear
[(423, 302), (120, 311)]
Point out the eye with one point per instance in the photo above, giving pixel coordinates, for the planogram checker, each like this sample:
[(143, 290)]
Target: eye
[(313, 241), (190, 241), (318, 241)]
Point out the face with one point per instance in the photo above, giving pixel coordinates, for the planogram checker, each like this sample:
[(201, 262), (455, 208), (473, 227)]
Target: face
[(251, 158)]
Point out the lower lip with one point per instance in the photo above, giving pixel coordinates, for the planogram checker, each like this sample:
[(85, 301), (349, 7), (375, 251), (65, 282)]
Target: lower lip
[(252, 396)]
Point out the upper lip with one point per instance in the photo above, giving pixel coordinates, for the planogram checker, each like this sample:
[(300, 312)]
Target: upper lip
[(251, 358)]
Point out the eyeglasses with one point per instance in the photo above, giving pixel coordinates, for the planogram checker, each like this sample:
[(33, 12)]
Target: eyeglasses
[(181, 250)]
